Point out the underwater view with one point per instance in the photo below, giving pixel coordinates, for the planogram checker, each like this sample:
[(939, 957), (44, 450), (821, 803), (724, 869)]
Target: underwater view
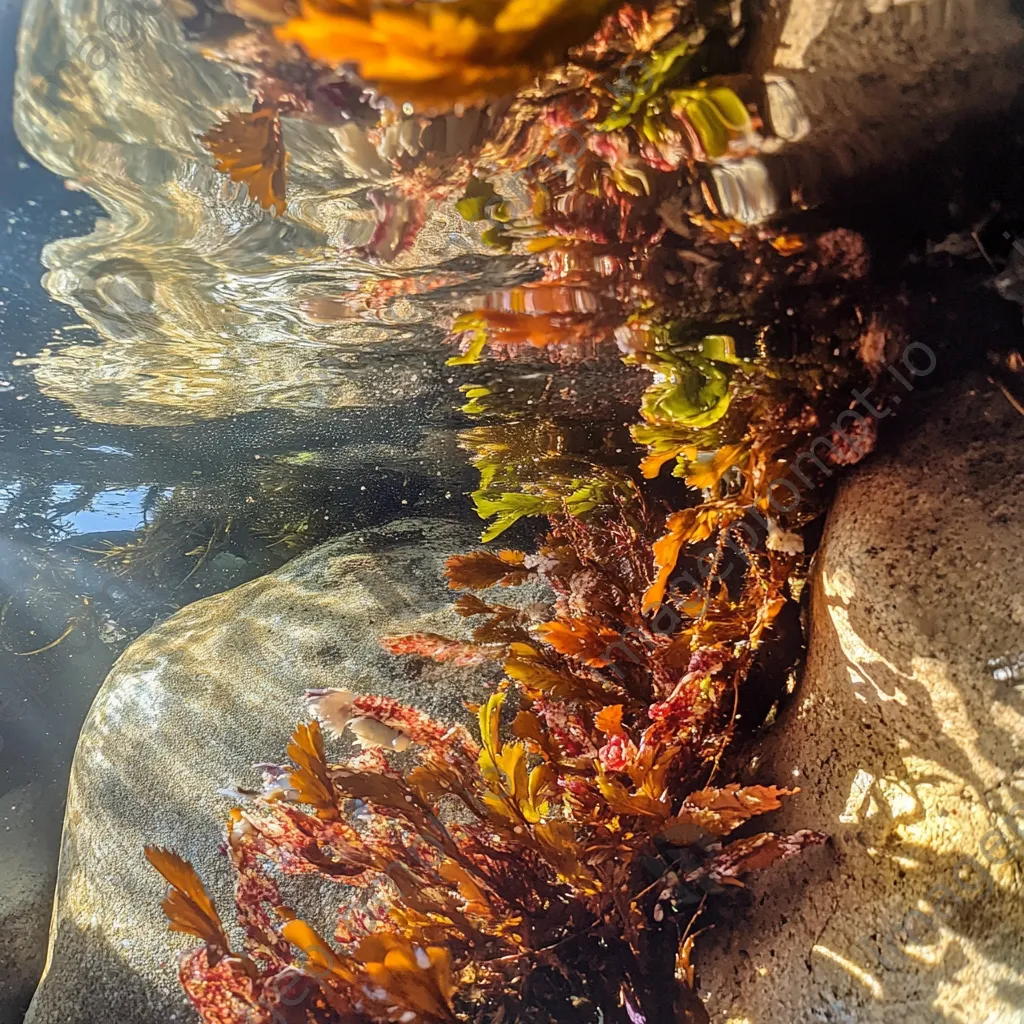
[(512, 512)]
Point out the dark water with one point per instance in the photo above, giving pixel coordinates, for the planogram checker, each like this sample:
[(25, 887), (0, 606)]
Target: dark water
[(42, 703)]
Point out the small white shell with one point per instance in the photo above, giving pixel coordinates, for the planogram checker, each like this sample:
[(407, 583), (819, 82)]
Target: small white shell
[(333, 709), (369, 733)]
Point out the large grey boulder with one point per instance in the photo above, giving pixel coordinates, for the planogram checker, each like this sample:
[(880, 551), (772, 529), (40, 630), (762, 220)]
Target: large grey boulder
[(188, 709), (906, 737)]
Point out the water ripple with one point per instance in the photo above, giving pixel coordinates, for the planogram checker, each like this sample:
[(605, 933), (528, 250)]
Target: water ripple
[(205, 305)]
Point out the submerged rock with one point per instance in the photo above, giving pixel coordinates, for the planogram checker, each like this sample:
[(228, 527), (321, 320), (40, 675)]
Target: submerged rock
[(187, 710), (906, 737), (28, 836)]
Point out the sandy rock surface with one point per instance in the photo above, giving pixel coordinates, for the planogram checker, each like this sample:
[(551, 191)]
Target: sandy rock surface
[(906, 737), (27, 839)]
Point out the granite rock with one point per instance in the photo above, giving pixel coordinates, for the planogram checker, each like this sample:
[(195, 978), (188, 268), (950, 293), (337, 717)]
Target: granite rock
[(906, 737)]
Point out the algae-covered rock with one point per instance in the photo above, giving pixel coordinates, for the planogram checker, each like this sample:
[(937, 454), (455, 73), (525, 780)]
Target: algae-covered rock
[(906, 737), (187, 710)]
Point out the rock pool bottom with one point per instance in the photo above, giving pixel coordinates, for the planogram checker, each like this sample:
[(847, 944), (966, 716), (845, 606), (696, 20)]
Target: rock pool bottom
[(905, 736)]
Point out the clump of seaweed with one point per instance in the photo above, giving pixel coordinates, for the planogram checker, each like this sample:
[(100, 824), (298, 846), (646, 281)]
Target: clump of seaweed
[(168, 540), (568, 841), (558, 865)]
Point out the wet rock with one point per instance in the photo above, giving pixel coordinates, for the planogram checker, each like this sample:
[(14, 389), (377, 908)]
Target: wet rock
[(188, 709), (27, 836), (918, 72), (906, 737)]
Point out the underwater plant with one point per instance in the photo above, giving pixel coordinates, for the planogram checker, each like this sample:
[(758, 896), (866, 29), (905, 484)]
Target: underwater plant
[(595, 104), (248, 148), (567, 843), (560, 864)]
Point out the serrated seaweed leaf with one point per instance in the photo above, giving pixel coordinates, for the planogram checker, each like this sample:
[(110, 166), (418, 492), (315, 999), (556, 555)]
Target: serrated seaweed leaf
[(318, 951), (482, 569), (688, 526), (443, 649), (311, 778), (584, 638), (416, 978), (187, 905), (721, 810), (248, 147), (757, 852)]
